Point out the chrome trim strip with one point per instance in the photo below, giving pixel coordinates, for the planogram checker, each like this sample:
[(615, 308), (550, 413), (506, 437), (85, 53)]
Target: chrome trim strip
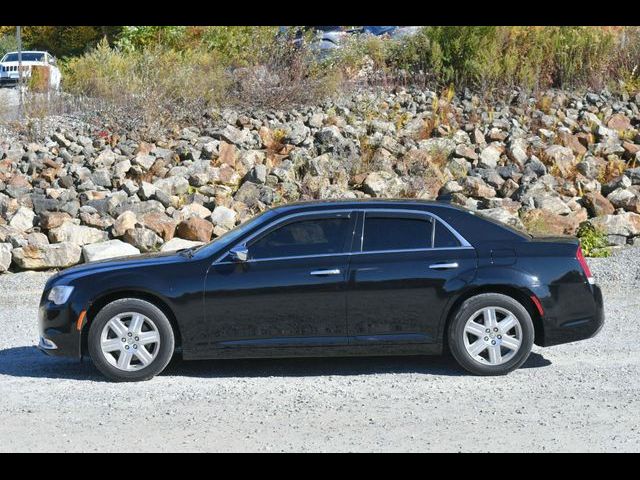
[(335, 271), (444, 266), (409, 250), (298, 257)]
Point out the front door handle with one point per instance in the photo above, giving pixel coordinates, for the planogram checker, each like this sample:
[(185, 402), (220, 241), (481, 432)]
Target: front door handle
[(325, 272), (444, 266)]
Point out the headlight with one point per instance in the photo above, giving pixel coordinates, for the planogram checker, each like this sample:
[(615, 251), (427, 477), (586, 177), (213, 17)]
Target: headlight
[(59, 295)]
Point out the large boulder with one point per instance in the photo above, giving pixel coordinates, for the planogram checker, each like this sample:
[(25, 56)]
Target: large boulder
[(546, 222), (179, 244), (59, 255), (49, 220), (195, 228), (503, 215), (489, 156), (194, 210), (384, 184), (224, 217), (561, 157), (143, 239), (5, 256), (627, 198), (597, 204), (248, 193), (23, 219), (173, 185), (125, 221), (626, 224), (108, 249), (477, 187), (634, 175), (160, 223), (297, 133), (76, 234), (619, 122), (552, 203)]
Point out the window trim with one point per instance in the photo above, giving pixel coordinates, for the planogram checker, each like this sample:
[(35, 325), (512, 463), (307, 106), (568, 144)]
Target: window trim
[(464, 244), (364, 224), (285, 219), (346, 246)]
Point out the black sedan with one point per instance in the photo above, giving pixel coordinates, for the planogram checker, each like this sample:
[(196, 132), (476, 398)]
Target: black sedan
[(339, 278)]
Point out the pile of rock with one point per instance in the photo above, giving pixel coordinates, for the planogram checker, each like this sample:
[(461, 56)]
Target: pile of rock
[(544, 165)]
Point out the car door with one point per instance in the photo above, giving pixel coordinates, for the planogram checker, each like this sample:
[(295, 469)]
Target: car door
[(401, 276), (290, 291)]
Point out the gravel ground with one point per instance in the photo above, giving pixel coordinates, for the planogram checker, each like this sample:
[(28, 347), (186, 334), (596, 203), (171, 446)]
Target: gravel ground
[(575, 397)]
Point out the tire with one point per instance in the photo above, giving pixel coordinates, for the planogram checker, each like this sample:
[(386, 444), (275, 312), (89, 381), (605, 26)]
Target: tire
[(130, 340), (467, 334)]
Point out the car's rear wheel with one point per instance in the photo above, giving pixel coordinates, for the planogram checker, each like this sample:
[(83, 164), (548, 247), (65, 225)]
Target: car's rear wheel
[(491, 334), (130, 340)]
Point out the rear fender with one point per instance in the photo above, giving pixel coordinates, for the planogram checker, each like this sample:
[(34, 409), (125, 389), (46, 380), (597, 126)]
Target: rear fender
[(500, 279)]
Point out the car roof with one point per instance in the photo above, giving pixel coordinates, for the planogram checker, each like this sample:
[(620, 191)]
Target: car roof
[(363, 203), (28, 51), (471, 226)]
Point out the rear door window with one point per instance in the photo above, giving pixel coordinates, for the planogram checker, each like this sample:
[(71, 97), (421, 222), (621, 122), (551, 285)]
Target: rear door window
[(396, 232)]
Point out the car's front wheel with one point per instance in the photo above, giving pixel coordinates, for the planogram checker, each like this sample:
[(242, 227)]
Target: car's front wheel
[(491, 334), (130, 340)]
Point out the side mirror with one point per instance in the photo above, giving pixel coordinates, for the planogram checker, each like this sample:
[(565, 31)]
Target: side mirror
[(239, 253)]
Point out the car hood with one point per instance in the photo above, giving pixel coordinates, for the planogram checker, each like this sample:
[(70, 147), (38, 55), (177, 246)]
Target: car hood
[(111, 264)]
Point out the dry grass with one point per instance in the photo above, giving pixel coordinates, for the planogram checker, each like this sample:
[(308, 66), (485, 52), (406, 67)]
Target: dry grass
[(614, 168)]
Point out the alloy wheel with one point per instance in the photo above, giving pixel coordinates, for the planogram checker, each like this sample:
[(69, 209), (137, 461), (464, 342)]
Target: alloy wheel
[(492, 335), (130, 341)]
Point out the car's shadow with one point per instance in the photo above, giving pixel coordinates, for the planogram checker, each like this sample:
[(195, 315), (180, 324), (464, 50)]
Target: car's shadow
[(30, 362)]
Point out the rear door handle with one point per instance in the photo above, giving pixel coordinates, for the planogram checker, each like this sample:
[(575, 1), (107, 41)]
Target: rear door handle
[(326, 272), (444, 266)]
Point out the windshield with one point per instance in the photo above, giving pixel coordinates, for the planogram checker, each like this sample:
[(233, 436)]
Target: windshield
[(26, 57)]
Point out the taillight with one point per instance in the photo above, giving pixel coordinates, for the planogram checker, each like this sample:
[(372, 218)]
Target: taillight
[(585, 267)]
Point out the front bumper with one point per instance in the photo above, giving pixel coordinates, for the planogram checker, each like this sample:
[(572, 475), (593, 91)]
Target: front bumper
[(59, 335), (558, 330)]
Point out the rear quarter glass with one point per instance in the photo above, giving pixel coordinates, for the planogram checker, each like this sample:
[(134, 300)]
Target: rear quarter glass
[(476, 228)]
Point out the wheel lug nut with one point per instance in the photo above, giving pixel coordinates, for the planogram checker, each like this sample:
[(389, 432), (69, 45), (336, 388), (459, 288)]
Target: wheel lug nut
[(493, 342), (487, 330), (130, 334), (126, 347), (135, 346), (499, 336), (124, 339), (495, 329), (486, 339), (137, 339)]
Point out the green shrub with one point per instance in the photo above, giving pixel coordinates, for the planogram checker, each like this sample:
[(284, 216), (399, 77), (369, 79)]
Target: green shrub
[(8, 43), (593, 241), (489, 57), (156, 84)]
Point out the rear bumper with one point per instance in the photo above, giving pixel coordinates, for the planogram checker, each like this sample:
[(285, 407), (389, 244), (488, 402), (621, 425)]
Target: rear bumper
[(58, 333), (564, 331)]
